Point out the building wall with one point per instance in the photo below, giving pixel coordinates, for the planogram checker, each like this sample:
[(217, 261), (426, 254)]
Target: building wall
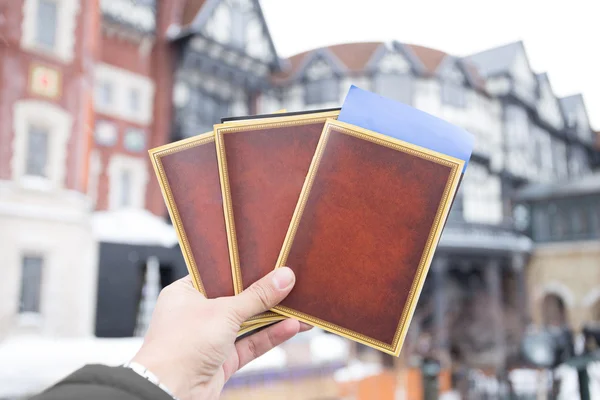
[(569, 270), (56, 227), (47, 217)]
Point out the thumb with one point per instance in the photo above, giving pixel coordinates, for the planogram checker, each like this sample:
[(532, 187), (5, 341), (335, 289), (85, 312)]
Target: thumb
[(264, 294)]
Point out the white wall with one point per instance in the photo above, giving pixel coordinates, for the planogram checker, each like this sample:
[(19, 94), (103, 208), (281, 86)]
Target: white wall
[(56, 226)]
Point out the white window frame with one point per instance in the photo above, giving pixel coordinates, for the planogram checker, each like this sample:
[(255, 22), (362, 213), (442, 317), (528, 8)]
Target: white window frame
[(58, 122), (66, 22), (122, 83), (139, 178)]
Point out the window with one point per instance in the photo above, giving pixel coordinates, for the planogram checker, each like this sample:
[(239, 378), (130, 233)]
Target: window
[(559, 222), (45, 34), (105, 133), (42, 131), (580, 220), (31, 284), (48, 26), (560, 158), (128, 176), (394, 86), (518, 123), (453, 94), (125, 189), (322, 91), (541, 228), (135, 140), (134, 100), (201, 112), (123, 94), (482, 196), (104, 94), (37, 152), (596, 218)]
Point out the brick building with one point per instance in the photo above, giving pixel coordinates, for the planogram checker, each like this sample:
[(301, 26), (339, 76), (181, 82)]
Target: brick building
[(85, 89)]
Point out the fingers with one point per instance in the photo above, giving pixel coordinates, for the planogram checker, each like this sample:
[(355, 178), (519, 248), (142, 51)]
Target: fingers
[(263, 294), (305, 327), (184, 285), (258, 344), (185, 281)]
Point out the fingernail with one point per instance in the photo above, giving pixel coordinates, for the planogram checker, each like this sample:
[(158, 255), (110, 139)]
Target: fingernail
[(282, 278), (305, 327)]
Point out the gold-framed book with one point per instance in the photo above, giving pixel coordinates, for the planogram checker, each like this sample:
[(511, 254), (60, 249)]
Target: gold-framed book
[(363, 233), (262, 166)]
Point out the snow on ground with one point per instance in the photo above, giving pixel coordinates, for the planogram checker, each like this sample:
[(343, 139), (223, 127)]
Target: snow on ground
[(29, 364)]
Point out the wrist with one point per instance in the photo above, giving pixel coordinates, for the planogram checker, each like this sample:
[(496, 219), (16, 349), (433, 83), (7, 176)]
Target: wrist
[(176, 382), (149, 376)]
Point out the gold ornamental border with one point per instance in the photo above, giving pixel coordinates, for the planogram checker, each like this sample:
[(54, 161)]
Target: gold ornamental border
[(455, 166), (248, 126), (155, 156)]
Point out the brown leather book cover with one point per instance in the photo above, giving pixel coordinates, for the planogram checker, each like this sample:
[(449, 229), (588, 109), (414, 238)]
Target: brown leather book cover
[(189, 178), (263, 164), (364, 232), (187, 171)]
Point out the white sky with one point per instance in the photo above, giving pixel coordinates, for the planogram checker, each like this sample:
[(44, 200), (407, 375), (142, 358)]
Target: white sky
[(561, 37)]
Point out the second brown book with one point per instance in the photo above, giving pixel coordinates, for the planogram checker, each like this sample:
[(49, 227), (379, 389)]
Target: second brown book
[(262, 165)]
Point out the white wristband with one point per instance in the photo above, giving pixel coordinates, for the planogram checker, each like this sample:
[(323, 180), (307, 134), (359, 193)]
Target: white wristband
[(146, 374)]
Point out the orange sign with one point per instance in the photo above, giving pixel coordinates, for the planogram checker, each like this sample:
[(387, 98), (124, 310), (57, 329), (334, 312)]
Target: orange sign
[(45, 81)]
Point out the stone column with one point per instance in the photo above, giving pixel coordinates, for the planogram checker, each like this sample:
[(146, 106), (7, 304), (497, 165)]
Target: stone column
[(493, 283), (439, 269)]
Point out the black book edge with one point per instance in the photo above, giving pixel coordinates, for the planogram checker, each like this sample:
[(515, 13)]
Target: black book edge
[(285, 114)]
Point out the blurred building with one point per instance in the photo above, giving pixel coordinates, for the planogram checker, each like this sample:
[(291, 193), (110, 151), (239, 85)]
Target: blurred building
[(87, 87), (564, 221)]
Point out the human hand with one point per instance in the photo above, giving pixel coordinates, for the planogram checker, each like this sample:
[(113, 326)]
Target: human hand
[(190, 345)]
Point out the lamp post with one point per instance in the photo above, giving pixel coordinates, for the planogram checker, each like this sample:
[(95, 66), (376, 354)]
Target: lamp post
[(431, 369)]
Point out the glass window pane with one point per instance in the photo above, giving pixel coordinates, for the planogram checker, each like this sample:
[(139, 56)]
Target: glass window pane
[(453, 94), (37, 151), (322, 91), (125, 186), (134, 100), (135, 140), (31, 284), (46, 23)]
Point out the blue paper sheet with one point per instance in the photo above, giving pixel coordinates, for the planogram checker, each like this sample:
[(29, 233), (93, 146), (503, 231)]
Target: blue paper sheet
[(388, 117)]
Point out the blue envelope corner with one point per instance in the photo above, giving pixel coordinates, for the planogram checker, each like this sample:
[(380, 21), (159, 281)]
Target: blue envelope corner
[(388, 117)]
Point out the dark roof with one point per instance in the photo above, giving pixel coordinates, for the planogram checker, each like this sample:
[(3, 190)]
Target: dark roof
[(497, 60), (587, 185), (570, 103)]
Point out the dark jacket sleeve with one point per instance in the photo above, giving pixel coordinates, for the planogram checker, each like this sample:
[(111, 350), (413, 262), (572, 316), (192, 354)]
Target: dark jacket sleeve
[(99, 382)]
